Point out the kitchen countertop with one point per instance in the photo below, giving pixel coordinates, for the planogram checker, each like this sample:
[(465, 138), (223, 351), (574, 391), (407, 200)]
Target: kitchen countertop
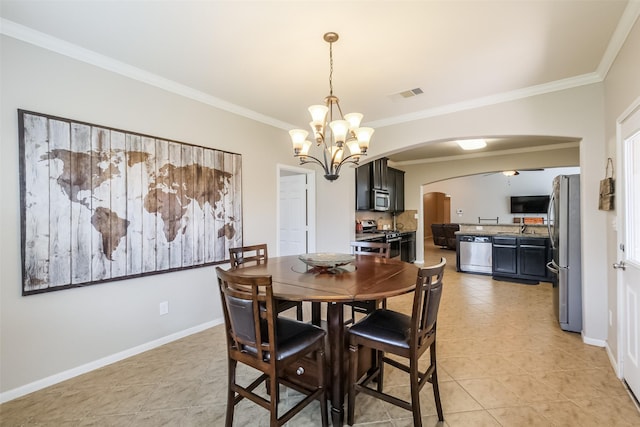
[(500, 234), (369, 236)]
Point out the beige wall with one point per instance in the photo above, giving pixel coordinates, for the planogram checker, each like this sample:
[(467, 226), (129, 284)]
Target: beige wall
[(622, 88), (62, 333)]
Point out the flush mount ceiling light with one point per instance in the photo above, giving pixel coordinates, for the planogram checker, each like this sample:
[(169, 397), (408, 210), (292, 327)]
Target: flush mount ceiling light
[(332, 133), (471, 144), (510, 173)]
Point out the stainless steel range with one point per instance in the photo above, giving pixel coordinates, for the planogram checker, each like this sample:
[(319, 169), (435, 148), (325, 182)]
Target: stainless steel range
[(369, 226)]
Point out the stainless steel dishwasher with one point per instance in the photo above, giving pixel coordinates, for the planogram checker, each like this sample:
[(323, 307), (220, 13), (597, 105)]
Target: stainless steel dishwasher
[(475, 254)]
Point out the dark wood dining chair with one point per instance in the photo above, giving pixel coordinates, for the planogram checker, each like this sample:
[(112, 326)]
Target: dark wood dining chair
[(378, 249), (258, 254), (258, 338), (371, 248), (387, 331)]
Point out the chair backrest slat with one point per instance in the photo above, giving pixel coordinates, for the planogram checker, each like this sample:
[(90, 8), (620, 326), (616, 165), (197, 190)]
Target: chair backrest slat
[(378, 249), (426, 302), (253, 254)]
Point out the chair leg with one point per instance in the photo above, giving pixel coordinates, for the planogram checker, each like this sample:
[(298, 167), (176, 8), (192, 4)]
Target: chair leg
[(322, 385), (299, 311), (415, 391), (231, 395), (274, 391), (353, 377), (380, 362), (434, 381)]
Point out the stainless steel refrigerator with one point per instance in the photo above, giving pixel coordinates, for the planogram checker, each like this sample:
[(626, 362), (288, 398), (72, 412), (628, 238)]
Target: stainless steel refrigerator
[(563, 219)]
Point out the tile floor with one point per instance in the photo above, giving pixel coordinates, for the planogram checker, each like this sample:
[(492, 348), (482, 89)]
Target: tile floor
[(503, 361)]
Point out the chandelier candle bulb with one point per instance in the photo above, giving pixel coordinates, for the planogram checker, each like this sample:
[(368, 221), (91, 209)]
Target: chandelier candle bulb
[(318, 113), (339, 129), (336, 154), (354, 147), (354, 120), (298, 137), (364, 136), (304, 152), (331, 139)]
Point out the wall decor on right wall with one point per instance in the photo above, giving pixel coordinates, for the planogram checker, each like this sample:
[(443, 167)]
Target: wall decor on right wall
[(606, 202)]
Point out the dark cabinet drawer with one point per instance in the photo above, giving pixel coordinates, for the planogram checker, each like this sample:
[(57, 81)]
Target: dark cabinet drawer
[(510, 241), (304, 372)]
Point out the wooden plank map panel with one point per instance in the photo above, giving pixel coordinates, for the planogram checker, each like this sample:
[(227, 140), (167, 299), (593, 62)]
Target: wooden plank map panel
[(101, 204)]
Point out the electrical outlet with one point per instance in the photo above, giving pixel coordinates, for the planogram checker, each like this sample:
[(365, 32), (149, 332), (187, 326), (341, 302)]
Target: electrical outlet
[(164, 308), (610, 318)]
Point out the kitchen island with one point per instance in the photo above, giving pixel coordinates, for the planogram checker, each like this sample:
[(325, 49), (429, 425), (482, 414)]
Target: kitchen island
[(507, 252)]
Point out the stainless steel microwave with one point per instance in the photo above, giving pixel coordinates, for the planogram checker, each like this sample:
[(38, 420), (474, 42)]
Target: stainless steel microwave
[(380, 200)]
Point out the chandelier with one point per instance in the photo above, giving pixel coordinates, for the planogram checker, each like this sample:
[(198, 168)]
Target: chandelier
[(332, 131)]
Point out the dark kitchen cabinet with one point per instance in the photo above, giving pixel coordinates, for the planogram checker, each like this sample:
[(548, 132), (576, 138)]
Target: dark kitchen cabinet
[(363, 187), (376, 175), (533, 257), (395, 185), (379, 174), (505, 255), (408, 246), (523, 259)]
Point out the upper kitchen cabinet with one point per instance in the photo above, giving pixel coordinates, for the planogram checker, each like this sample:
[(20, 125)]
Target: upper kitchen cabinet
[(379, 174), (395, 185), (363, 187)]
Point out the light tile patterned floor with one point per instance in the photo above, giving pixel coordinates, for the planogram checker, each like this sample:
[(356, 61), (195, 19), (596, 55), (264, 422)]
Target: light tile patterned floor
[(502, 360)]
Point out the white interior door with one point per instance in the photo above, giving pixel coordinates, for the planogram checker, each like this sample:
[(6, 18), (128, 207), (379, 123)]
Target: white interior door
[(629, 244), (293, 214)]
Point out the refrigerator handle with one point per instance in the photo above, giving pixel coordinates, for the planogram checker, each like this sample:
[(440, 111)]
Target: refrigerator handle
[(552, 200)]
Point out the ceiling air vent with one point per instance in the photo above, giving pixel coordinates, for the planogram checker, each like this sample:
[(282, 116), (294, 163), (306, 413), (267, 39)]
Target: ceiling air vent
[(410, 93)]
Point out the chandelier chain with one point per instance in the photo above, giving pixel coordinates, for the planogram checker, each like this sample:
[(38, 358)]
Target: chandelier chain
[(331, 69)]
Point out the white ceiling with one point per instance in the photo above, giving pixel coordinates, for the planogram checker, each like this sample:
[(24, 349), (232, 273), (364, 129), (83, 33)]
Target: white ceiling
[(267, 59)]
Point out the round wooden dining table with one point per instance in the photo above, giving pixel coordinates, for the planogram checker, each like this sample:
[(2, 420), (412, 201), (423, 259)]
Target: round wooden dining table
[(366, 278)]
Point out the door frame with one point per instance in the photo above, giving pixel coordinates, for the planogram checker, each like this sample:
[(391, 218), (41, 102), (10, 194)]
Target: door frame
[(620, 206), (282, 170)]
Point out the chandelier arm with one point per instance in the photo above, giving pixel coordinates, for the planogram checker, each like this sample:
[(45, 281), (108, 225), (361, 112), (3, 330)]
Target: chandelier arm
[(346, 160), (340, 110), (315, 160)]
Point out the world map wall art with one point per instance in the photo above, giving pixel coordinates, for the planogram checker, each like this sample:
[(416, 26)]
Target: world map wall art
[(101, 204)]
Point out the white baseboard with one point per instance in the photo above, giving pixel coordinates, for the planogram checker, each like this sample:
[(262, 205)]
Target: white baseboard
[(593, 341), (614, 362), (96, 364)]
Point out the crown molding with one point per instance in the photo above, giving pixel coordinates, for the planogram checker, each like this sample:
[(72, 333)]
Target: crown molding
[(45, 41), (626, 23)]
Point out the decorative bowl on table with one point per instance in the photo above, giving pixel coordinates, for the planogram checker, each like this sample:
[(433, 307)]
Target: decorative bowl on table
[(326, 260)]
